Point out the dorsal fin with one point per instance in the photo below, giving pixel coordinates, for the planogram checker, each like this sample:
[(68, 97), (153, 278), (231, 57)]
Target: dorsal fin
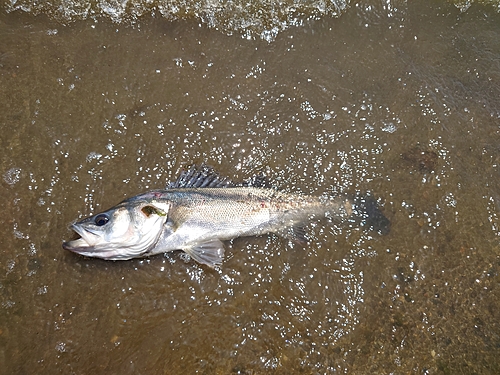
[(201, 176), (259, 181)]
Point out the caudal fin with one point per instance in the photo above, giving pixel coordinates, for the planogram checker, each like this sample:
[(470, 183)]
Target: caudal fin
[(367, 214)]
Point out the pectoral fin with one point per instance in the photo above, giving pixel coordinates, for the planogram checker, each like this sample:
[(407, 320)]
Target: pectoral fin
[(210, 253)]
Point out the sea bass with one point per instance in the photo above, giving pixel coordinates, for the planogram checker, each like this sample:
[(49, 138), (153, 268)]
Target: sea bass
[(200, 210)]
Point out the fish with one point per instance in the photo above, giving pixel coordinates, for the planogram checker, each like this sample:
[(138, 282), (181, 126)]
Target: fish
[(201, 209)]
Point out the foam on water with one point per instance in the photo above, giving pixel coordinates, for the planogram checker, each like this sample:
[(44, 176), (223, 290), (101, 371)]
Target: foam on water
[(252, 19)]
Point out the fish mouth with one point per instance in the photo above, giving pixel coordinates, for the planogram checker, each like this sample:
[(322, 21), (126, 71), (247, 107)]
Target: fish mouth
[(75, 246), (83, 243), (87, 244)]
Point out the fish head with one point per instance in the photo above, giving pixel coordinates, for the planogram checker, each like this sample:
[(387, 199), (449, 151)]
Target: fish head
[(126, 231)]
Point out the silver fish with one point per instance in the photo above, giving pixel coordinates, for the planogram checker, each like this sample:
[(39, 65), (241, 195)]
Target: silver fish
[(199, 211)]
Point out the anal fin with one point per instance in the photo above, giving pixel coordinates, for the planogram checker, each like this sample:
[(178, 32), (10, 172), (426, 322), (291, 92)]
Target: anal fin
[(297, 233), (210, 253)]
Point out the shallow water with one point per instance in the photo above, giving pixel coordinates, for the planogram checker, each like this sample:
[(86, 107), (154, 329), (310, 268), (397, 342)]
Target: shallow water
[(402, 102)]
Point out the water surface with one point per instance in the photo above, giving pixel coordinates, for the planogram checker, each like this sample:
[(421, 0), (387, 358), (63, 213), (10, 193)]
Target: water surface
[(399, 101)]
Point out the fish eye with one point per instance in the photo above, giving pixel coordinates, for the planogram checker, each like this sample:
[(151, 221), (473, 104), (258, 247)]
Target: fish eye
[(101, 219)]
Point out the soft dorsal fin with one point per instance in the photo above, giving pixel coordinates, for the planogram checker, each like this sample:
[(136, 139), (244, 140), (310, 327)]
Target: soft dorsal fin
[(201, 176), (258, 181)]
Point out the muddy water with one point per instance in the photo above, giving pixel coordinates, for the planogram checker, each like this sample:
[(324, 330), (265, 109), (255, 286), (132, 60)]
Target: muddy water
[(402, 102)]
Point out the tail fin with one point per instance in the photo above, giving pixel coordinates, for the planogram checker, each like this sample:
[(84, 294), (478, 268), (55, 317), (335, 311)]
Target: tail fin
[(367, 214)]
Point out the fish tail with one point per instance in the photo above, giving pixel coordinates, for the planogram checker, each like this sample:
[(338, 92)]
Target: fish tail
[(367, 214)]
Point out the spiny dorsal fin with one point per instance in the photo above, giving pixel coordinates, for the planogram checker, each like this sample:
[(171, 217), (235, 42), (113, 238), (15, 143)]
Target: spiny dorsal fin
[(201, 176)]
